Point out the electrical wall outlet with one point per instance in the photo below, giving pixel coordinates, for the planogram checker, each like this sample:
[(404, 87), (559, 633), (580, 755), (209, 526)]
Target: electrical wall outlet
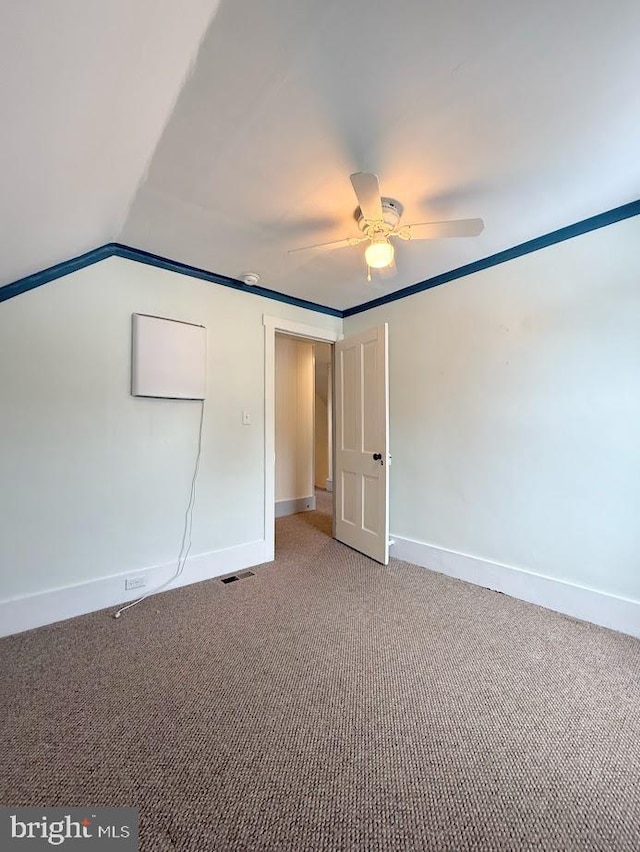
[(135, 583)]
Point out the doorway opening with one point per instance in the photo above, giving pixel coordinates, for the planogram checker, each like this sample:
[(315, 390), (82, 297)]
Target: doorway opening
[(303, 430), (298, 414), (303, 425), (360, 480)]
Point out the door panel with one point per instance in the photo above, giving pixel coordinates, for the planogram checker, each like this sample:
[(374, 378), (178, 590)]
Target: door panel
[(349, 501), (362, 431), (348, 373)]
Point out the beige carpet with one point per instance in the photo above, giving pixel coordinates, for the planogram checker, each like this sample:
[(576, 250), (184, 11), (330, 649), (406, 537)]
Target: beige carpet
[(328, 703)]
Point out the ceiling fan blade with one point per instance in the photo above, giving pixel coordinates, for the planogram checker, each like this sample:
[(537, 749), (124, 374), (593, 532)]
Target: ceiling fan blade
[(367, 190), (335, 244), (438, 230)]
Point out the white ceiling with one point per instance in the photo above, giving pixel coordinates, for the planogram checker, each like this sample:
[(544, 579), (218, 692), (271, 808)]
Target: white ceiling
[(87, 89), (525, 114)]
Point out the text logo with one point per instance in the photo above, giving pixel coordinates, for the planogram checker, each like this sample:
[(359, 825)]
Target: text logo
[(75, 828)]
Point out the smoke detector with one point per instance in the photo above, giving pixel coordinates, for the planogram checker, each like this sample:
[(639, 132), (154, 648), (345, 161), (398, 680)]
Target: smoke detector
[(250, 278)]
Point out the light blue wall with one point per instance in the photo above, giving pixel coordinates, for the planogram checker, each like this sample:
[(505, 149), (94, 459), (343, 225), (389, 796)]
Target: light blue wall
[(515, 412), (94, 482)]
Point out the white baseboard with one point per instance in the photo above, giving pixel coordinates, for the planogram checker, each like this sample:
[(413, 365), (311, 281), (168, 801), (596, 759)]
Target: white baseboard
[(297, 504), (24, 613), (329, 484), (622, 614)]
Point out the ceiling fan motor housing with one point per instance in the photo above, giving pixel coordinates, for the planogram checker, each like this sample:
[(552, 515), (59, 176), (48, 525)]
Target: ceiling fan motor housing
[(391, 214)]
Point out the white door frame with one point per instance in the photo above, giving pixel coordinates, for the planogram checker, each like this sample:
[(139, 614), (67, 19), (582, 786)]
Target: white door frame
[(298, 329)]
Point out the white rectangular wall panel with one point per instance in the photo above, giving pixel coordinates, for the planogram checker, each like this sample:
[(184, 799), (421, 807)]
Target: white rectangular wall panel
[(168, 358)]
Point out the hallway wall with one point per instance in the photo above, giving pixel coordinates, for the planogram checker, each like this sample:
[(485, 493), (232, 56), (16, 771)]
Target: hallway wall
[(294, 420)]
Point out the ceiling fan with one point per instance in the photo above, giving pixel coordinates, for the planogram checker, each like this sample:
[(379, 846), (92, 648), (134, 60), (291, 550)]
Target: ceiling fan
[(379, 220)]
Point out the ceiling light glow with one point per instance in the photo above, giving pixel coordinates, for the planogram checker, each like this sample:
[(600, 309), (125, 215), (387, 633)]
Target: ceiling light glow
[(379, 254)]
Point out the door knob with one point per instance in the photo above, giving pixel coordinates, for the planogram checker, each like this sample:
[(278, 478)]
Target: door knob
[(377, 457)]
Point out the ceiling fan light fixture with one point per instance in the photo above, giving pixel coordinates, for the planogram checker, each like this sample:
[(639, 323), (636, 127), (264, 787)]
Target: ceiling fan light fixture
[(379, 254)]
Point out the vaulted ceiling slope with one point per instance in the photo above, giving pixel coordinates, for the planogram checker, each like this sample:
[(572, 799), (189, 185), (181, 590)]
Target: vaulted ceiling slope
[(524, 114), (87, 89)]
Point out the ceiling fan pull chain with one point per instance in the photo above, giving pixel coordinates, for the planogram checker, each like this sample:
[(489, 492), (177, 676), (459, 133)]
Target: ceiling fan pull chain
[(368, 273)]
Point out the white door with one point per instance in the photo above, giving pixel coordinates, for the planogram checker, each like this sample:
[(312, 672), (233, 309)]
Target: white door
[(362, 443)]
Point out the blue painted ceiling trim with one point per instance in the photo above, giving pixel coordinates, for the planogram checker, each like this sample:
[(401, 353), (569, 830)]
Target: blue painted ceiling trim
[(627, 211), (119, 250), (194, 272), (30, 282), (53, 272)]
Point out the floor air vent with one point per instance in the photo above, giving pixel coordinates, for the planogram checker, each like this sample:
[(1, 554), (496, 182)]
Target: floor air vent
[(241, 576)]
